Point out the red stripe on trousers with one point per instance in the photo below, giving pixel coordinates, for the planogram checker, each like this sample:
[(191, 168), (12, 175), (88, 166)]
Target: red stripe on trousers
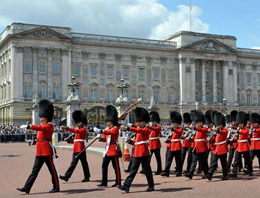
[(54, 172), (117, 168)]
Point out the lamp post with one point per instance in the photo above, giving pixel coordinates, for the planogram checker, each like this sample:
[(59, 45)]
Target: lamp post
[(122, 87)]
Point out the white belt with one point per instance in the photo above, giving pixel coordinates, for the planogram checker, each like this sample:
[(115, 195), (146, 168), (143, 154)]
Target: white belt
[(239, 141), (142, 142), (219, 143), (154, 138), (175, 140), (255, 139), (199, 140), (79, 140)]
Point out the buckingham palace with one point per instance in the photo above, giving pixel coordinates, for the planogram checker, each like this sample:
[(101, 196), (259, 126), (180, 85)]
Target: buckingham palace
[(183, 71)]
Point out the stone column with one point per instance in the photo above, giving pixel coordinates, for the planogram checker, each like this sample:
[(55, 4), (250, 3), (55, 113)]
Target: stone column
[(182, 67), (214, 82), (49, 70), (235, 64), (70, 109), (35, 71), (102, 68), (149, 78), (85, 79), (66, 72), (193, 84), (134, 73), (203, 81), (254, 84), (225, 81), (164, 77)]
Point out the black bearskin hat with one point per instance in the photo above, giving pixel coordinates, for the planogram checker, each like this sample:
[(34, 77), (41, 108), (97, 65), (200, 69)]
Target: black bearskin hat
[(46, 109), (192, 114), (79, 116), (254, 117), (154, 116), (141, 114), (219, 118), (208, 119), (199, 117), (186, 118), (248, 116), (176, 117), (111, 115), (228, 118), (233, 115), (241, 118)]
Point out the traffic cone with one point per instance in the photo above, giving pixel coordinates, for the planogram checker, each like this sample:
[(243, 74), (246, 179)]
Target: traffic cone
[(126, 155)]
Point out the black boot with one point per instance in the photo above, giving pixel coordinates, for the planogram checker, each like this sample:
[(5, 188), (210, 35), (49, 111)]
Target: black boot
[(123, 188), (23, 190), (54, 190), (64, 178)]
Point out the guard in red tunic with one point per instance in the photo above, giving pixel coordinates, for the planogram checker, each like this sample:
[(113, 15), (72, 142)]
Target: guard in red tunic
[(141, 153), (110, 136), (243, 145), (79, 144), (219, 148), (175, 145), (186, 145), (44, 149), (154, 140), (200, 148), (255, 137)]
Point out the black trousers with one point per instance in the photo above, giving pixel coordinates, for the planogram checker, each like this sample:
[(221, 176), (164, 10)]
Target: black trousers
[(157, 153), (131, 159), (238, 160), (83, 159), (231, 154), (115, 163), (183, 156), (169, 158), (145, 161), (214, 164), (254, 153), (202, 157), (39, 161)]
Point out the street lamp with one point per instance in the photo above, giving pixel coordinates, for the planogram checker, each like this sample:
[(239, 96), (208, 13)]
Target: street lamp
[(73, 85), (122, 86)]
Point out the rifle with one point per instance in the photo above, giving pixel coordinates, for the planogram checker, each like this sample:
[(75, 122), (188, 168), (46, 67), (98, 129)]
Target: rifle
[(125, 112)]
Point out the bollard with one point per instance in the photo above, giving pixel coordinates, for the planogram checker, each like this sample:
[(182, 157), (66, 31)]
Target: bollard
[(55, 139)]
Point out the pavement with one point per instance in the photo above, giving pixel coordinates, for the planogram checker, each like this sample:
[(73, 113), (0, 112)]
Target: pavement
[(16, 162)]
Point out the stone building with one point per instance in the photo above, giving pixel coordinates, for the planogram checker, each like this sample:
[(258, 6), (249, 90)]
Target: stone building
[(183, 71)]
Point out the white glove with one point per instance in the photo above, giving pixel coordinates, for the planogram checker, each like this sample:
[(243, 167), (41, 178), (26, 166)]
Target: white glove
[(150, 124), (24, 126), (96, 130), (98, 135), (129, 124)]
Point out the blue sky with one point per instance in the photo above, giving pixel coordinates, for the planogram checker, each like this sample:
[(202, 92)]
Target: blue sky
[(152, 19)]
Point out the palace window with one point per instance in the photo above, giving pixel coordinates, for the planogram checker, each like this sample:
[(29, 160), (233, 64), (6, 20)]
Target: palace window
[(248, 98), (207, 75), (110, 94), (93, 94), (218, 77), (125, 93), (156, 74), (110, 72), (196, 75), (42, 91), (258, 79), (76, 70), (170, 75), (141, 94), (56, 93), (170, 96), (93, 71), (258, 98), (238, 78), (238, 97), (27, 66), (141, 73), (196, 96), (27, 91), (156, 95), (56, 68), (42, 68), (219, 97), (248, 78), (125, 72), (207, 97)]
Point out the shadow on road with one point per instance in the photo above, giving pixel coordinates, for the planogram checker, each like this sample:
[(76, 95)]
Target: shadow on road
[(76, 191), (165, 190)]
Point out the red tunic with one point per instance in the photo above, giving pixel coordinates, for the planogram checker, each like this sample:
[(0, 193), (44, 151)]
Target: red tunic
[(44, 138), (220, 146), (176, 139), (80, 134), (186, 143), (255, 143), (243, 144), (200, 140), (155, 133), (113, 133), (142, 135)]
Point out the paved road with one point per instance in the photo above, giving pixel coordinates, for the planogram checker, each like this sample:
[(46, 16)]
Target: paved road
[(16, 161)]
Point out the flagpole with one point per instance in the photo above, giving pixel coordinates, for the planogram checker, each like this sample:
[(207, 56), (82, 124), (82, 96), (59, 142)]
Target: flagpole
[(190, 15)]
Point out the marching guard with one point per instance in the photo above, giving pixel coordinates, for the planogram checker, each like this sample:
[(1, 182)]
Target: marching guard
[(243, 145), (154, 140), (255, 137), (112, 149), (219, 148), (79, 144), (141, 152), (175, 145), (44, 150)]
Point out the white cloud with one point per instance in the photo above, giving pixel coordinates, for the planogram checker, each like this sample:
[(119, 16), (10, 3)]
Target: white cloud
[(133, 18), (257, 48)]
